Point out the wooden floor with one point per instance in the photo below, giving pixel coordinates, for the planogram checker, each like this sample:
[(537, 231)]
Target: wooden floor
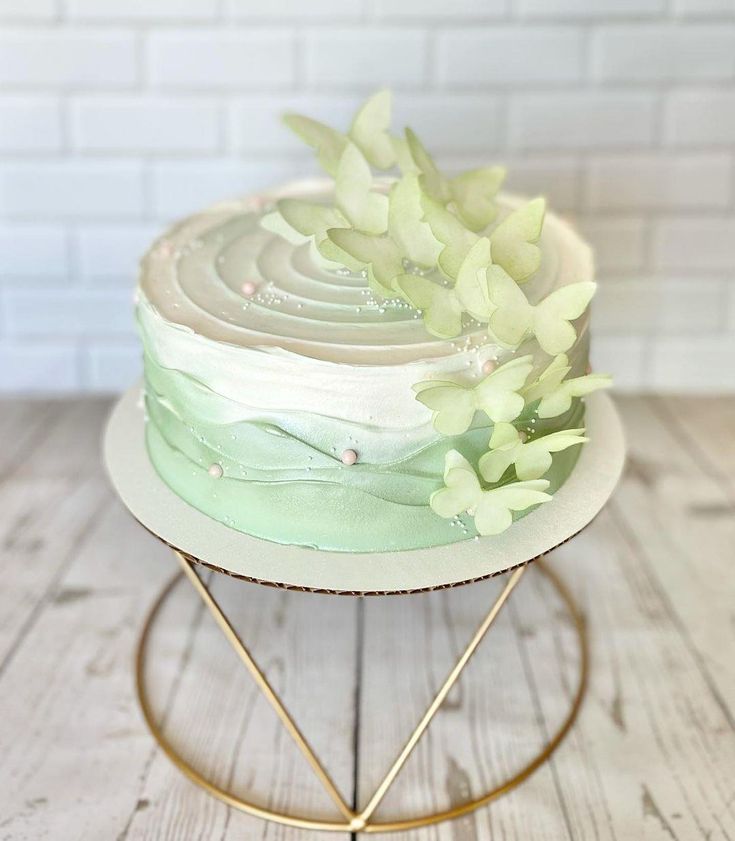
[(651, 757)]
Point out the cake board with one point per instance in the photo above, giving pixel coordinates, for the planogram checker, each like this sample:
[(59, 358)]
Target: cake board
[(198, 540)]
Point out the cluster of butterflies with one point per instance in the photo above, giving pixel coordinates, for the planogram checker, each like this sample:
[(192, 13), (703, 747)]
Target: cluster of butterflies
[(422, 221), (503, 395)]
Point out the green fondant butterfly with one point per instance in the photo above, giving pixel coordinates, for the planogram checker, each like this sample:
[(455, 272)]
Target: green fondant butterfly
[(492, 508), (356, 205), (514, 241), (406, 225), (513, 317), (409, 238), (369, 132), (276, 223), (299, 221), (532, 459), (451, 233), (472, 193), (555, 393), (328, 143), (364, 209), (381, 256), (442, 306), (454, 405), (309, 218)]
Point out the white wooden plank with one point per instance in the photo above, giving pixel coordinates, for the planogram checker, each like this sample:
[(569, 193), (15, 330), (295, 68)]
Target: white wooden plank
[(70, 566), (708, 425), (678, 515), (656, 724), (487, 729), (306, 644), (653, 755), (42, 524), (46, 513), (71, 741), (100, 598), (22, 424), (70, 445)]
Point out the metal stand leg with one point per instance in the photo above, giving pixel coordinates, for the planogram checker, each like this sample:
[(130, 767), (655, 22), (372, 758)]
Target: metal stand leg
[(360, 821)]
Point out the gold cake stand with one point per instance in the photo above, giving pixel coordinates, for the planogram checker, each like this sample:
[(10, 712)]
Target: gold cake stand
[(169, 518), (362, 820)]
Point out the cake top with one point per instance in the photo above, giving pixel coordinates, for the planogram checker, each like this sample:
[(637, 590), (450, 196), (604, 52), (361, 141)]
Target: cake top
[(225, 276), (374, 270)]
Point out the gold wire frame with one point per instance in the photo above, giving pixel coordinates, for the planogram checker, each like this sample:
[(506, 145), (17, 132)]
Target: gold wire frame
[(356, 820)]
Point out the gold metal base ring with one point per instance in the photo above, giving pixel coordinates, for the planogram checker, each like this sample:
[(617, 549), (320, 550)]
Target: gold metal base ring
[(360, 821)]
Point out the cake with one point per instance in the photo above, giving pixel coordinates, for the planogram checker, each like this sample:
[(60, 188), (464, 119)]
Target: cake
[(382, 359)]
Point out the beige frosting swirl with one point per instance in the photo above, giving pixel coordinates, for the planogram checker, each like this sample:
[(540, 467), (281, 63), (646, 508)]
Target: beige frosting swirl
[(194, 276)]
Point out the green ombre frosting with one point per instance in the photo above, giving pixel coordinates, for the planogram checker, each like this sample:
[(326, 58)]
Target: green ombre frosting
[(253, 397), (279, 487)]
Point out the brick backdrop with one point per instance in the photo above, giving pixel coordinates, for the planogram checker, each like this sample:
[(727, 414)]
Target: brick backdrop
[(116, 116)]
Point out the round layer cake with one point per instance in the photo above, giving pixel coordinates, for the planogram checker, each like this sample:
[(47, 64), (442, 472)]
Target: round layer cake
[(280, 391)]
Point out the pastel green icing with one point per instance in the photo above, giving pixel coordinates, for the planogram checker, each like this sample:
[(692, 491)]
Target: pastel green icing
[(281, 487)]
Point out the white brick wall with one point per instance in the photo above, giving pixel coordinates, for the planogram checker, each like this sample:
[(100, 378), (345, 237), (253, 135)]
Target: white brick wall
[(655, 182), (498, 55), (359, 58), (583, 120), (30, 124), (220, 59), (116, 116), (146, 124), (66, 58), (659, 53)]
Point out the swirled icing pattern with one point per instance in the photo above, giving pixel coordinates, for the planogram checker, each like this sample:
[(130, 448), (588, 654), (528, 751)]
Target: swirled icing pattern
[(273, 385)]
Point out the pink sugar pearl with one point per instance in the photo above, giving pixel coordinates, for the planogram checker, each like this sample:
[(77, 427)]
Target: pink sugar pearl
[(215, 471), (349, 457), (488, 366), (248, 288)]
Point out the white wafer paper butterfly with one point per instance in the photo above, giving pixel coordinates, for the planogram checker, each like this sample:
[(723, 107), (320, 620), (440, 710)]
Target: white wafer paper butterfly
[(363, 208), (369, 132), (357, 205), (514, 241), (379, 254), (408, 237), (514, 317), (472, 193), (327, 142), (442, 305), (532, 459), (406, 225), (454, 405), (451, 233), (491, 508), (555, 393)]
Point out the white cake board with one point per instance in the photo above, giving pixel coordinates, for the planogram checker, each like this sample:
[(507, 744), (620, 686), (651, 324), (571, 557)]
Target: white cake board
[(213, 544)]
